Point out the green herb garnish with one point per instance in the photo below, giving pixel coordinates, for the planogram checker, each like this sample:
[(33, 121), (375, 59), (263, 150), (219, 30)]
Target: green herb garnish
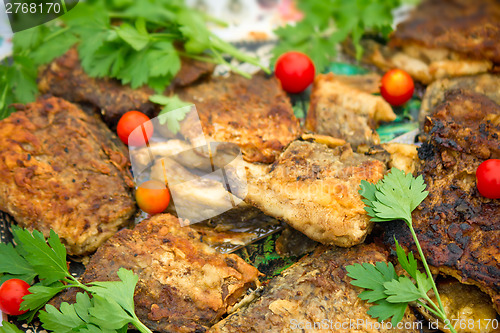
[(327, 23), (136, 42), (394, 198), (173, 112), (110, 309)]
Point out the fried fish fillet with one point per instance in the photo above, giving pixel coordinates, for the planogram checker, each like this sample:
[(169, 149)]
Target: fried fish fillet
[(314, 290), (64, 170), (184, 285), (253, 113), (485, 84), (65, 78), (468, 28), (315, 190), (342, 111), (458, 229)]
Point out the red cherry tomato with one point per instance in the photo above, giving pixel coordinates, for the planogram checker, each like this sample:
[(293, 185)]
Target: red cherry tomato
[(295, 71), (129, 122), (488, 179), (397, 87), (11, 296), (152, 197)]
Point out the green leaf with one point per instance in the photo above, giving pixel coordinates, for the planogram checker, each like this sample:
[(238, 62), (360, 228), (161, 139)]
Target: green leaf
[(54, 45), (408, 263), (11, 262), (193, 28), (384, 310), (49, 262), (175, 110), (424, 283), (135, 38), (40, 295), (63, 320), (371, 277), (108, 314), (402, 290), (122, 292), (9, 328)]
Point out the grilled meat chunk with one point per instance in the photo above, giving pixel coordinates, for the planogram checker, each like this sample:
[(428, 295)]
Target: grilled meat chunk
[(342, 111), (65, 78), (255, 114), (459, 229), (485, 84), (64, 170), (314, 290), (315, 190), (184, 285), (469, 28)]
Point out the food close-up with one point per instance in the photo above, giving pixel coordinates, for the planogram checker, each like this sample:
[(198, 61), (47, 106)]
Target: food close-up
[(250, 166)]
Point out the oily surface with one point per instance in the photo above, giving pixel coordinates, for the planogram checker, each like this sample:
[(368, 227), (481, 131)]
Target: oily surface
[(184, 285), (64, 170), (459, 229), (315, 289), (253, 113)]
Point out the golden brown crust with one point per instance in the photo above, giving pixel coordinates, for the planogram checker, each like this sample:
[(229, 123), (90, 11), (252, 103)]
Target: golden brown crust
[(184, 285), (470, 28), (315, 190), (64, 170), (64, 77), (459, 229), (253, 113), (342, 111), (315, 289)]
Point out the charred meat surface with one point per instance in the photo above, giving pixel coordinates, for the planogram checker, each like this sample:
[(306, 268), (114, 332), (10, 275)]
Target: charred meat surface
[(315, 190), (64, 170), (253, 113), (184, 285), (459, 229), (314, 290), (470, 28), (342, 111), (65, 78)]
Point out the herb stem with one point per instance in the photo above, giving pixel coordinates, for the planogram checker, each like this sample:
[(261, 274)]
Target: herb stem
[(428, 271), (140, 326), (434, 312)]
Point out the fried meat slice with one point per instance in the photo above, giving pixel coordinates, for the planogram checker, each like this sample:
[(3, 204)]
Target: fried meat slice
[(65, 78), (315, 190), (485, 84), (184, 285), (64, 170), (459, 229), (342, 111), (468, 28), (253, 113), (314, 290)]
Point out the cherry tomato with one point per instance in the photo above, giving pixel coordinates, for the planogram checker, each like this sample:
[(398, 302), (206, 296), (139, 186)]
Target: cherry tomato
[(11, 296), (152, 197), (488, 179), (129, 122), (397, 87), (295, 71)]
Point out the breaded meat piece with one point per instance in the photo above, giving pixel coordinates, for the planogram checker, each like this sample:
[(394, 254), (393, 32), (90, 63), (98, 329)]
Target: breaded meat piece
[(469, 28), (64, 77), (184, 285), (253, 113), (315, 291), (458, 228), (342, 111), (315, 190), (64, 170)]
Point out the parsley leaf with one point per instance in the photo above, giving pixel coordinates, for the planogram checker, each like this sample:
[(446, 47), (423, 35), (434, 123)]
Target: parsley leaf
[(14, 265), (408, 263), (372, 277), (383, 310), (9, 328), (173, 112)]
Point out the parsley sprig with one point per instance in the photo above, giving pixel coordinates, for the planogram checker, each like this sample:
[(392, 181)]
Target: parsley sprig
[(394, 198), (136, 42), (110, 309), (327, 23)]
